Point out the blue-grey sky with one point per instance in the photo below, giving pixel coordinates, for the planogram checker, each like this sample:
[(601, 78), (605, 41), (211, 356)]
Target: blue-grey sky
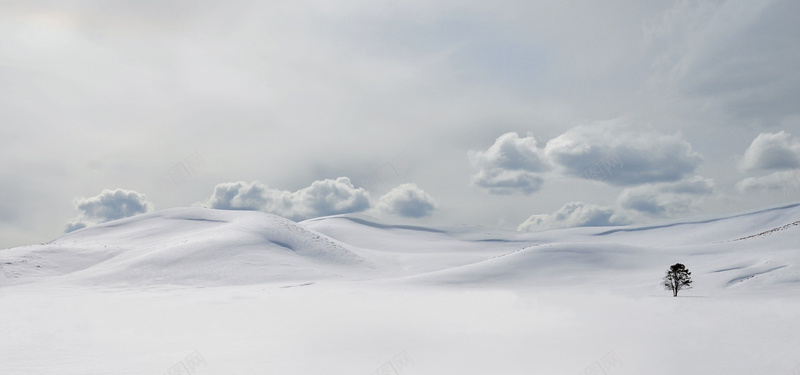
[(512, 114)]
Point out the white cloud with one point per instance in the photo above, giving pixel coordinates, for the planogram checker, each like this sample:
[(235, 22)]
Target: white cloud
[(665, 199), (322, 198), (613, 154), (574, 214), (407, 200), (780, 180), (512, 164), (605, 151), (108, 205), (772, 151), (243, 196), (778, 155)]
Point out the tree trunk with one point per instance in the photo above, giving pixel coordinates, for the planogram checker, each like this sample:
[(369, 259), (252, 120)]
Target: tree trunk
[(675, 292)]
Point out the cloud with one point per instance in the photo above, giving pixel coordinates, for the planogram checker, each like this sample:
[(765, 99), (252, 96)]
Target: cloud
[(772, 151), (665, 199), (407, 200), (108, 205), (512, 164), (574, 214), (777, 154), (74, 225), (608, 152), (780, 180), (322, 198), (244, 196)]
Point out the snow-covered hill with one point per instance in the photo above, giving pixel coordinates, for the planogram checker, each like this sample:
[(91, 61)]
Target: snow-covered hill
[(187, 246), (200, 291), (204, 247)]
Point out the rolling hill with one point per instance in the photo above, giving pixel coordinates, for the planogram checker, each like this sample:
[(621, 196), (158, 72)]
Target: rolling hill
[(200, 291), (204, 247)]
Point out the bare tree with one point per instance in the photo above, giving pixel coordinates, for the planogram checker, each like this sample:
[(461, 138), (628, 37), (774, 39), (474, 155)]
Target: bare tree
[(678, 278)]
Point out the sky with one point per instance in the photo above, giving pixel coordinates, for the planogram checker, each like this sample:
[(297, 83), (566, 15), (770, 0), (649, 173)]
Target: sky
[(508, 114)]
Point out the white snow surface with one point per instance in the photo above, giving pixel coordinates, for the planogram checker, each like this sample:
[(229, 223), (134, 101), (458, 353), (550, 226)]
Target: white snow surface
[(201, 291)]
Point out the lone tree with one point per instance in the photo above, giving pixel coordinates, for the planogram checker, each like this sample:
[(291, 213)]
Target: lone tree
[(677, 278)]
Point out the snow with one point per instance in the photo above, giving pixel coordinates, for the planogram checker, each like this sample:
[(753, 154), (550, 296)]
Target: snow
[(193, 290)]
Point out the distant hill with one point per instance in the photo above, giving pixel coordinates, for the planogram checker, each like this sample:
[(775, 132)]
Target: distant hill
[(205, 247)]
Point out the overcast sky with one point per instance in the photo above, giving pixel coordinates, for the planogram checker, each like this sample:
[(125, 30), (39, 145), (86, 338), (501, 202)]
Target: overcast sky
[(513, 114)]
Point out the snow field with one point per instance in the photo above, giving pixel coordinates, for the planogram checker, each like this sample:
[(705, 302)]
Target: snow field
[(225, 292)]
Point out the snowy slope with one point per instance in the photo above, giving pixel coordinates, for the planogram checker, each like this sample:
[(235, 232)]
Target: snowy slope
[(187, 246), (748, 251), (707, 230), (196, 246), (350, 294), (409, 250)]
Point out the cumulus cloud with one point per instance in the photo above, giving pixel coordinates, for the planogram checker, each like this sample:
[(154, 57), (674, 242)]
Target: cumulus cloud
[(322, 198), (407, 200), (774, 181), (665, 199), (574, 214), (772, 151), (608, 152), (108, 205), (244, 196), (777, 157), (512, 164)]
